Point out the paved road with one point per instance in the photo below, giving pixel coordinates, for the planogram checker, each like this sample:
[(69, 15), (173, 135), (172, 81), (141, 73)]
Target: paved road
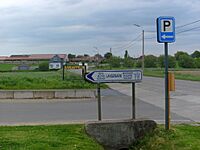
[(185, 101), (116, 103)]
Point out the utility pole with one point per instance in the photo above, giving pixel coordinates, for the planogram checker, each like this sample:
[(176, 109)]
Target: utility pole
[(143, 50), (97, 56), (139, 26)]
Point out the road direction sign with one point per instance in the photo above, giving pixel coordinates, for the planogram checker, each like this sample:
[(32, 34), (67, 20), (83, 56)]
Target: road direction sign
[(115, 76), (166, 29)]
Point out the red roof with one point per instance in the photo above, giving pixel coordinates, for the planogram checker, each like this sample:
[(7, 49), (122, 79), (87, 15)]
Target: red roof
[(33, 57), (46, 56), (3, 57)]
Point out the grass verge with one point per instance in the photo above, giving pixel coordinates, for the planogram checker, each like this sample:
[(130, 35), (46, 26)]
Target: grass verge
[(73, 137), (182, 75), (57, 137), (179, 137), (43, 80)]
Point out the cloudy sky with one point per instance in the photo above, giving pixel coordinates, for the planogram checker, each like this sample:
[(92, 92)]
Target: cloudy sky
[(77, 26)]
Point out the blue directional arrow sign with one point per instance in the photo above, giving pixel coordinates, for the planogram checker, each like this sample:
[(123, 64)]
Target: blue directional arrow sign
[(115, 76), (166, 29)]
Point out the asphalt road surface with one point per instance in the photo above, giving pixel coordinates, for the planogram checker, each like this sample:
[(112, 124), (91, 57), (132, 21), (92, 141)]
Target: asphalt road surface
[(185, 101), (116, 104)]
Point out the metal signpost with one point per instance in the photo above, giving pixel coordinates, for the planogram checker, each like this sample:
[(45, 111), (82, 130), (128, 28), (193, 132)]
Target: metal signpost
[(115, 76), (166, 34)]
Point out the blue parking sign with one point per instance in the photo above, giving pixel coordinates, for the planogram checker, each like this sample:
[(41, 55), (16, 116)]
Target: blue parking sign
[(166, 29)]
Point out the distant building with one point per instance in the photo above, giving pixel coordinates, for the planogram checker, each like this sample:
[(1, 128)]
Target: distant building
[(81, 58), (23, 67), (55, 62), (31, 59)]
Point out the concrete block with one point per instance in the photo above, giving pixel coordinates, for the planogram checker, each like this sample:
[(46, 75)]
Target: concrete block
[(23, 94), (44, 94), (117, 135), (6, 94)]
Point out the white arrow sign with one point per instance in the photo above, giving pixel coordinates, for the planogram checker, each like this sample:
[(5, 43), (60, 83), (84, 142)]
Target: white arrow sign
[(167, 36), (117, 76)]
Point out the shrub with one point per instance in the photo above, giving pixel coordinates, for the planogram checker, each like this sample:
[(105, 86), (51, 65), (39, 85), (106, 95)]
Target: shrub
[(44, 66)]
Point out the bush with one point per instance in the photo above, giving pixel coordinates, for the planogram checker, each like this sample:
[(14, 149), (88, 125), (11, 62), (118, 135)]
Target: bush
[(44, 66)]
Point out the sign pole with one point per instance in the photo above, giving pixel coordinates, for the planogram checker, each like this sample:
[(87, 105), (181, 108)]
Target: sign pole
[(83, 72), (166, 34), (167, 123), (99, 101), (63, 74), (133, 100)]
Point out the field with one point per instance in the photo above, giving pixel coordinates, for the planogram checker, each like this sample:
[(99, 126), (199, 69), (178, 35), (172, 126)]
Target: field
[(42, 80), (192, 75), (73, 137)]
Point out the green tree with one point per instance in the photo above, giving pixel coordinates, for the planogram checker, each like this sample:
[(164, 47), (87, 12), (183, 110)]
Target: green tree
[(171, 59), (150, 61), (186, 61), (108, 55), (197, 62), (126, 54), (115, 62), (139, 63), (179, 53), (196, 54), (86, 55), (128, 62), (71, 56), (161, 61)]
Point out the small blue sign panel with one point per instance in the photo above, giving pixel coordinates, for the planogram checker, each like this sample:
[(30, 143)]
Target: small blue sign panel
[(166, 29)]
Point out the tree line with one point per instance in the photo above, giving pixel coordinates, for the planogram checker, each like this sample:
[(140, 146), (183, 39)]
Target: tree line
[(179, 60)]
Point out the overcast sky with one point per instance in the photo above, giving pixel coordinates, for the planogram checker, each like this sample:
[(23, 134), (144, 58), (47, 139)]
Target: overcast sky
[(77, 26)]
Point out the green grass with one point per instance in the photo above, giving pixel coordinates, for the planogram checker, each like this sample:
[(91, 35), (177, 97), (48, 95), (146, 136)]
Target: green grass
[(73, 137), (6, 67), (178, 75), (43, 80), (180, 137), (57, 137), (154, 73)]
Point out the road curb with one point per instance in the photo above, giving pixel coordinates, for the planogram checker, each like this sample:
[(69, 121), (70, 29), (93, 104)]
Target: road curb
[(48, 94)]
